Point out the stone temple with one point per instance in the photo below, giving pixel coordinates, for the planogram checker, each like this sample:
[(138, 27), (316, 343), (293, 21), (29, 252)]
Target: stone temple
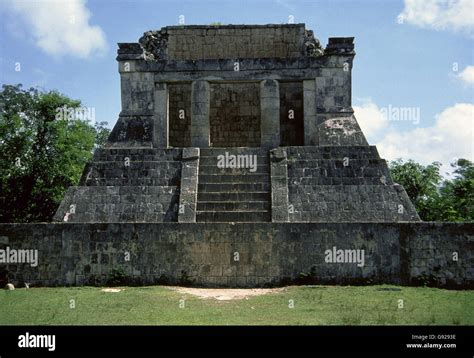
[(269, 93), (237, 161)]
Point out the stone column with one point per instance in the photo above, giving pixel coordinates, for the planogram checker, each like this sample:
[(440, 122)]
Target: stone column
[(310, 125), (160, 116), (269, 114), (279, 179), (189, 186), (200, 109)]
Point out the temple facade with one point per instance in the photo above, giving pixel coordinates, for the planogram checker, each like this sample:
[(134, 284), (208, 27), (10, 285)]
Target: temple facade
[(264, 93)]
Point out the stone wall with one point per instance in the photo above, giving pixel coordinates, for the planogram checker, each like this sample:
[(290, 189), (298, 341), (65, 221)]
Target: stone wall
[(291, 123), (123, 185), (247, 254), (347, 203), (179, 95), (120, 204), (235, 115), (132, 131), (234, 41), (343, 183), (133, 166)]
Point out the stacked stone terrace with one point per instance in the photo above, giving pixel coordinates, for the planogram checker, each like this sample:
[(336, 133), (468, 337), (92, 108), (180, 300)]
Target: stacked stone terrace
[(192, 93)]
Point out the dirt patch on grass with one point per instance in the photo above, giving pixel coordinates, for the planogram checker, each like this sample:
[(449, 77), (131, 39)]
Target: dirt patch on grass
[(226, 294), (112, 290)]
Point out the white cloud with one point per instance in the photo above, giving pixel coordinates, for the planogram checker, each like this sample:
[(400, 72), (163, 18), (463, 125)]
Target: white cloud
[(451, 136), (61, 27), (455, 15), (369, 117), (467, 75)]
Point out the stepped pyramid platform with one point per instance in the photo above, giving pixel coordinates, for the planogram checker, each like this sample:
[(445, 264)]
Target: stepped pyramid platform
[(316, 184), (184, 104), (237, 161)]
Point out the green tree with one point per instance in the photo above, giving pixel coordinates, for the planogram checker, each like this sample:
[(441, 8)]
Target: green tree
[(458, 194), (436, 199), (41, 153), (420, 182)]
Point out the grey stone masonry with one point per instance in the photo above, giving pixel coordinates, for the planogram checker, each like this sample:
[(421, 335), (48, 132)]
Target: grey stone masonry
[(160, 116), (309, 98), (230, 57), (344, 183), (235, 114), (189, 185), (279, 177), (119, 204), (126, 184), (203, 254), (224, 41), (200, 106), (234, 193), (270, 113), (340, 131)]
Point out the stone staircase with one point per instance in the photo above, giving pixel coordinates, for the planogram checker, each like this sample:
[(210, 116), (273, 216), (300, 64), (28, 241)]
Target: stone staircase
[(233, 194)]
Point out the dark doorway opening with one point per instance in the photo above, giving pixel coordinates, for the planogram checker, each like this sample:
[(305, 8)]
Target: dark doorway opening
[(291, 114)]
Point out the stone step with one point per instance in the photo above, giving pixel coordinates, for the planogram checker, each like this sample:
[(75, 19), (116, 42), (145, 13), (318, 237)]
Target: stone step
[(231, 187), (336, 162), (137, 154), (333, 152), (233, 216), (233, 194), (136, 165), (352, 164), (147, 173), (132, 181), (226, 196), (213, 169), (234, 179), (233, 206), (376, 168), (209, 152), (340, 181), (212, 160)]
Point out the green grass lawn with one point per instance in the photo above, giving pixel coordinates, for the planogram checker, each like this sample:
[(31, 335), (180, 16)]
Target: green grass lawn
[(313, 305)]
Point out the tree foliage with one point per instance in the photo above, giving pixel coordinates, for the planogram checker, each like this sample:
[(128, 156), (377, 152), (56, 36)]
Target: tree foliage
[(40, 155), (435, 198)]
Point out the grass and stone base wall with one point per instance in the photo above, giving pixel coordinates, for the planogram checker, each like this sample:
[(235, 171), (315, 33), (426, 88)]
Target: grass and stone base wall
[(239, 255)]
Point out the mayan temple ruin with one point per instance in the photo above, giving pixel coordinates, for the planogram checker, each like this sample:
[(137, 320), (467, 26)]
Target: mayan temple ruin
[(237, 161), (190, 94)]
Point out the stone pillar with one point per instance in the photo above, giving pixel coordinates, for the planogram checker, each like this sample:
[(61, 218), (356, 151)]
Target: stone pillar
[(309, 106), (279, 180), (189, 186), (269, 114), (200, 108), (126, 70), (160, 116)]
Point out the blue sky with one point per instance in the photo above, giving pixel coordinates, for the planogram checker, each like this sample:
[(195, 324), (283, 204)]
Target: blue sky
[(406, 52)]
